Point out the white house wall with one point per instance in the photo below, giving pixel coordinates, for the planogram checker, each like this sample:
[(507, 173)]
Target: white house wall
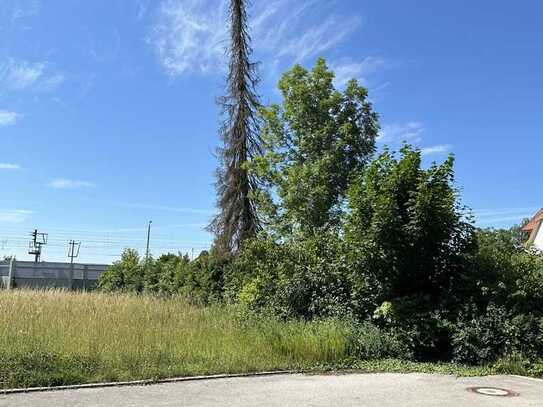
[(538, 242)]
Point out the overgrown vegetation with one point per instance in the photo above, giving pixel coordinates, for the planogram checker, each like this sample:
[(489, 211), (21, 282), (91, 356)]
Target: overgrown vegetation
[(58, 338), (326, 255), (381, 240)]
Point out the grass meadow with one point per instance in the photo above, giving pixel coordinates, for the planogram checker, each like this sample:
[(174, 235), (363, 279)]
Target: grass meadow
[(52, 338), (55, 337)]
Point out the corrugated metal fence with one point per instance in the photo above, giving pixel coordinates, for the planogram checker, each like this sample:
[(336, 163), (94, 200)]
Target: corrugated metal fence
[(28, 274)]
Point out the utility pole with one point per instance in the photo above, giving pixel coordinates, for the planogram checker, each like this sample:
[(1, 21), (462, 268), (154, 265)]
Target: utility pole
[(148, 239), (38, 241), (73, 252)]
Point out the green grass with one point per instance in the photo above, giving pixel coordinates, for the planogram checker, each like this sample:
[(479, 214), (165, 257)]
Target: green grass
[(53, 338)]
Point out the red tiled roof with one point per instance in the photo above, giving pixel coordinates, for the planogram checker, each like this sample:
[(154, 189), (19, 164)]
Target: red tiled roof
[(534, 222)]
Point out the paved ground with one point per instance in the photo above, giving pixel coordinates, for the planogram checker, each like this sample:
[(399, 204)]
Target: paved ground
[(367, 390)]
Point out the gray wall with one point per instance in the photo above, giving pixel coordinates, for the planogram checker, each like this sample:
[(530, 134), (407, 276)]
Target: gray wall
[(28, 274)]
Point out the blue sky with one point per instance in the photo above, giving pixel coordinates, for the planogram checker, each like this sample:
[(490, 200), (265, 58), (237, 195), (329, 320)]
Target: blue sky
[(108, 115)]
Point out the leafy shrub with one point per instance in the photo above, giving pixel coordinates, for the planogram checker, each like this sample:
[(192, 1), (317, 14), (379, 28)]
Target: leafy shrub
[(370, 342), (126, 274), (479, 339)]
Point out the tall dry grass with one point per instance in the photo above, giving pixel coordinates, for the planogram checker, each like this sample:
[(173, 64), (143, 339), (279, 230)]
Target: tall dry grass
[(57, 337)]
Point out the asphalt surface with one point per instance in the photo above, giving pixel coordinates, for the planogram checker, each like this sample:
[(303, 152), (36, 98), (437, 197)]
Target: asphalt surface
[(367, 390)]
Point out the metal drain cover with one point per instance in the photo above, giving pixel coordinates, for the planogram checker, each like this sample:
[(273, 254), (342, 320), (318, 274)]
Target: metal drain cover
[(493, 391)]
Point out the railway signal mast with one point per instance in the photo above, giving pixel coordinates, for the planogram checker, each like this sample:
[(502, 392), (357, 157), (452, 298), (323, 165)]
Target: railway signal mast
[(35, 246)]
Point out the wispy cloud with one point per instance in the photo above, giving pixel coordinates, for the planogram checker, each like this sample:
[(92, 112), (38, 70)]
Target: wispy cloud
[(191, 35), (14, 216), (316, 40), (8, 118), (345, 69), (65, 183), (196, 211), (19, 75), (395, 134), (500, 216), (439, 149), (25, 8), (297, 31), (502, 219), (154, 227), (399, 132), (142, 8), (505, 211), (9, 166), (52, 82)]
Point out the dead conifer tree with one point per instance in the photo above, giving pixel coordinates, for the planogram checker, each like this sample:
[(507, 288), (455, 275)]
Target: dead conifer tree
[(237, 219)]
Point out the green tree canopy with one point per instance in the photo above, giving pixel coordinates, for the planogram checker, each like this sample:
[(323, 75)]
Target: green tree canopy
[(314, 143), (407, 230)]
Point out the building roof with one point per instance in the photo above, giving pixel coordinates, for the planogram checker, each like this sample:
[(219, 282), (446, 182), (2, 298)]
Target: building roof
[(534, 222)]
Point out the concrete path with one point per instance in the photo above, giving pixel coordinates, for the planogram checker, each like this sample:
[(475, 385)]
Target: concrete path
[(367, 390)]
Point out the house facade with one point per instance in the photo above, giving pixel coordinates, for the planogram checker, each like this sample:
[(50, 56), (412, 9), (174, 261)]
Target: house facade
[(534, 229)]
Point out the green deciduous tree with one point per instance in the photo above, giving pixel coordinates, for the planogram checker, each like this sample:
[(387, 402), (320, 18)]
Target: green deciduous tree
[(314, 143)]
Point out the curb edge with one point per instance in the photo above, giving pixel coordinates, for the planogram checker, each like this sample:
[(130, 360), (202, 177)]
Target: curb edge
[(145, 382)]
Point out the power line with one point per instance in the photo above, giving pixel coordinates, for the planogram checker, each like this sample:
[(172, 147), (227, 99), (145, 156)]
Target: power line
[(98, 244)]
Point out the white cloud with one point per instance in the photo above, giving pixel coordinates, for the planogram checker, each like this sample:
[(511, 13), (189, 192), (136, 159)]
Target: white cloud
[(439, 149), (191, 35), (64, 183), (345, 70), (9, 166), (395, 134), (19, 75), (14, 216), (8, 118), (400, 132)]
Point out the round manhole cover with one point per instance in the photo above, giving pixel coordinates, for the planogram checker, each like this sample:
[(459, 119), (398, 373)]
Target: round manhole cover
[(493, 391)]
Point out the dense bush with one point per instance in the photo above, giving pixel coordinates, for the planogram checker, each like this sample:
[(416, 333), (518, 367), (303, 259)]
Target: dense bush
[(482, 338), (124, 275), (302, 278), (406, 235), (200, 280)]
